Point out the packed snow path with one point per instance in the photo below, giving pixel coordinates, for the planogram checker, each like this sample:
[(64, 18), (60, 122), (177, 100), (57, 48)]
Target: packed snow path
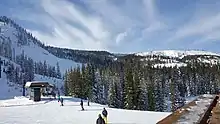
[(51, 112)]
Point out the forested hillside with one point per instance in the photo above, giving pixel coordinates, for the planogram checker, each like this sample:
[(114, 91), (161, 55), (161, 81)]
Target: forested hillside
[(132, 83)]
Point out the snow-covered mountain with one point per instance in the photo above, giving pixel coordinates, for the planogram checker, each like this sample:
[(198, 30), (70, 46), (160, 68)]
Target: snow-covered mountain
[(178, 58), (18, 41), (176, 53)]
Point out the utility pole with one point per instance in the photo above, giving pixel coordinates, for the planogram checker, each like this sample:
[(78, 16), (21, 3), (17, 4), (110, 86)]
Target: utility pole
[(1, 62)]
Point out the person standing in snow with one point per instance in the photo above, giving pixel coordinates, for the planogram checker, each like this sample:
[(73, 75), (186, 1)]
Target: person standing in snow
[(58, 96), (100, 120), (88, 101), (61, 101), (81, 103), (105, 114)]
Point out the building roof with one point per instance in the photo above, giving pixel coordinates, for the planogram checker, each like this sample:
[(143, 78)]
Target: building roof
[(37, 84)]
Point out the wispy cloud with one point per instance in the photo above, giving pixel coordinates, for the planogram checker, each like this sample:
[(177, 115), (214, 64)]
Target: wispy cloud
[(120, 26)]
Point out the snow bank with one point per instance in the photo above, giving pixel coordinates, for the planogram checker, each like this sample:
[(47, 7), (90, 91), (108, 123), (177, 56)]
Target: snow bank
[(19, 101)]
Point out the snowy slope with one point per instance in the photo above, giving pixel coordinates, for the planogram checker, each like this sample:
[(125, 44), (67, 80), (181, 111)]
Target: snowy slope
[(11, 89), (8, 90), (176, 53), (52, 113), (32, 50)]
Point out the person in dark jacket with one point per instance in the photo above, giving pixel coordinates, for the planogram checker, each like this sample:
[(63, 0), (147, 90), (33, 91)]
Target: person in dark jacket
[(58, 96), (61, 101), (81, 103), (100, 120), (105, 114), (88, 101)]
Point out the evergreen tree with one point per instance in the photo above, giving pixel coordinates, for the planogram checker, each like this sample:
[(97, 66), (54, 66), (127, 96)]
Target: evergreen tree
[(58, 71), (129, 88)]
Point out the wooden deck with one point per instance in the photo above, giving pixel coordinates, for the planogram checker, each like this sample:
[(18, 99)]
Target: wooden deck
[(175, 116), (215, 118)]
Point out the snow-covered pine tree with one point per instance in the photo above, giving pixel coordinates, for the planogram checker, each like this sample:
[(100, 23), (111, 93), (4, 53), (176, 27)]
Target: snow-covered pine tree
[(30, 69), (159, 96), (58, 71), (17, 72), (129, 86), (97, 87), (112, 99), (66, 90), (45, 73), (88, 81), (106, 83), (142, 96), (122, 85), (150, 90), (176, 99)]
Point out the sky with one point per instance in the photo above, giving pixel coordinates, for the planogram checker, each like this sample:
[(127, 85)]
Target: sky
[(123, 26)]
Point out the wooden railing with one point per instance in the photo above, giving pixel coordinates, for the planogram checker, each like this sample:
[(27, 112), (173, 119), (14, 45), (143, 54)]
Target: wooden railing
[(206, 116)]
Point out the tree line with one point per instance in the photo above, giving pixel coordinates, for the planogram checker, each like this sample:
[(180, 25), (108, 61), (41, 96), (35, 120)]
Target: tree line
[(135, 85)]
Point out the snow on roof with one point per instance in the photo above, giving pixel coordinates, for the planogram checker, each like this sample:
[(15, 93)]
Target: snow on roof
[(28, 84)]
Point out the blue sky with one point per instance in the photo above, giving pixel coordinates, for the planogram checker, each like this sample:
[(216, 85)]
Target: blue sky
[(120, 25)]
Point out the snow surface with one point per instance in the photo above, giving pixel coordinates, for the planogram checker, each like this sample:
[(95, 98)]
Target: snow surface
[(23, 111), (176, 53)]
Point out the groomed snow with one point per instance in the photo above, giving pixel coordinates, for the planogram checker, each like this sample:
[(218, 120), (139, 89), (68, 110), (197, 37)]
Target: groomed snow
[(50, 112)]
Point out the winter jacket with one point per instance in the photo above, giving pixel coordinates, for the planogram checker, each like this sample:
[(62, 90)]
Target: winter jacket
[(100, 120), (81, 103)]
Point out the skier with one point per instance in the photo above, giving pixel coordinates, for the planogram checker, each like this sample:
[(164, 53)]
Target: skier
[(81, 103), (58, 96), (88, 101), (105, 114), (100, 120), (61, 101)]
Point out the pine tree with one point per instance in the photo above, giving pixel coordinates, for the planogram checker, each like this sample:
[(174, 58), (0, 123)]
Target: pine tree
[(66, 84), (112, 99), (45, 73), (88, 81), (159, 96), (129, 88), (58, 71)]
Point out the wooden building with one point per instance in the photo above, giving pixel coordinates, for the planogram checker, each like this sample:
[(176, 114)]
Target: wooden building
[(36, 88)]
